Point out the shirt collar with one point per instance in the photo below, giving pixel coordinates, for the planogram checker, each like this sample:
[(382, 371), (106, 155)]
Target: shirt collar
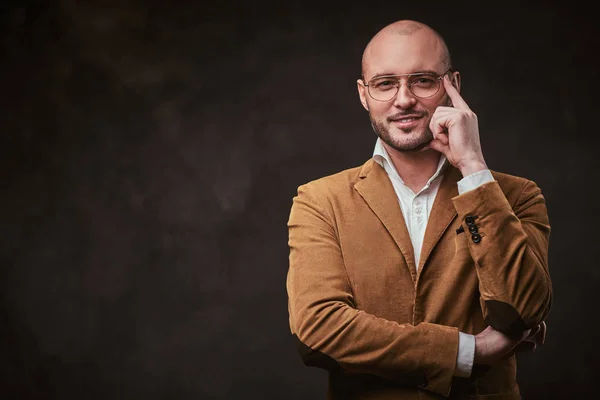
[(381, 156)]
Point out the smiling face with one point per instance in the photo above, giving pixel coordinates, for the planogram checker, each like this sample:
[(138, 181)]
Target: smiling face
[(403, 122)]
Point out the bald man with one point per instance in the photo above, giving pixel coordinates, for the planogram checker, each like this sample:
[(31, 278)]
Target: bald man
[(419, 274)]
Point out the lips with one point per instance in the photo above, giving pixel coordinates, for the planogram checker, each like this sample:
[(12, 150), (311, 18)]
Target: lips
[(406, 118), (406, 121)]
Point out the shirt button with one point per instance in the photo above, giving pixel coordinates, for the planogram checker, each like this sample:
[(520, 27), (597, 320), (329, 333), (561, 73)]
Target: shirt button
[(419, 219), (418, 211)]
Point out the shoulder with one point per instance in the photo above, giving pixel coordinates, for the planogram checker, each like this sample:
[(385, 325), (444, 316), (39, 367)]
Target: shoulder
[(338, 184)]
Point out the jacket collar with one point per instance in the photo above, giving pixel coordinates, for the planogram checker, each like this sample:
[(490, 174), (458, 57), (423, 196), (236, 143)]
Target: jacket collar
[(377, 191)]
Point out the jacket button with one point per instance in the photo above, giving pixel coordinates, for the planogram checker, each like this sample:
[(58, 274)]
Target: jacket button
[(469, 219), (476, 237), (473, 228)]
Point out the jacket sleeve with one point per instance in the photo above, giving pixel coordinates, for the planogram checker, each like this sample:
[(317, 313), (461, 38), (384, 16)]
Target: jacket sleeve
[(332, 333), (509, 245)]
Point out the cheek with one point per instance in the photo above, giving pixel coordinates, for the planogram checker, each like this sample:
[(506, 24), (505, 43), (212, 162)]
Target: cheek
[(378, 109), (433, 104)]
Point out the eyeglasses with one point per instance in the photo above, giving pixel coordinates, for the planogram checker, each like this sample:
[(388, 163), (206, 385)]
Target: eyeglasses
[(421, 84)]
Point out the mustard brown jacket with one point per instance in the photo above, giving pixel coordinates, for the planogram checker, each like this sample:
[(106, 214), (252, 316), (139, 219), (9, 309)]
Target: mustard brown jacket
[(384, 329)]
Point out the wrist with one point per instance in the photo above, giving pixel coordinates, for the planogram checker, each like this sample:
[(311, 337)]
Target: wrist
[(471, 167), (479, 353)]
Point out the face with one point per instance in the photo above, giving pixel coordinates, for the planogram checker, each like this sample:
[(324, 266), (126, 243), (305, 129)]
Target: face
[(403, 122)]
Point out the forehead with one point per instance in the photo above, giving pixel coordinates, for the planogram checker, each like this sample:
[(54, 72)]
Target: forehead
[(394, 54)]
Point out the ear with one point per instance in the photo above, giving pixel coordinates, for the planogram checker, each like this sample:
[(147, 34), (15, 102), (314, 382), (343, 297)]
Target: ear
[(456, 80), (362, 93)]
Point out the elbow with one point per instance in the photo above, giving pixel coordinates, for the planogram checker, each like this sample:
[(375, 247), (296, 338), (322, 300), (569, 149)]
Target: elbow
[(313, 357), (316, 332), (511, 321), (504, 318)]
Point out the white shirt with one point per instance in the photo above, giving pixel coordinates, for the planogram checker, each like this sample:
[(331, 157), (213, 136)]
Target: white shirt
[(416, 208)]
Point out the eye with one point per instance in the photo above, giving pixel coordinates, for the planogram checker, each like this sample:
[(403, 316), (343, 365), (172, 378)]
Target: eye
[(384, 84), (424, 81)]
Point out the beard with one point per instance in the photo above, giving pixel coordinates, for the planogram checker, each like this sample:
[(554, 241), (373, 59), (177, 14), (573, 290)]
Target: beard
[(418, 139), (415, 138)]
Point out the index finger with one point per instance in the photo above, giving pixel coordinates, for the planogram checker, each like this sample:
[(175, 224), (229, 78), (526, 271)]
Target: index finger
[(457, 100), (543, 333)]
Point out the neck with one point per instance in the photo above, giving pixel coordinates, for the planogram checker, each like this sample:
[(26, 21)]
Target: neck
[(415, 168)]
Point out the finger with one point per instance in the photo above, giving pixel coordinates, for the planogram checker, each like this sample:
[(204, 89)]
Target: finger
[(525, 346), (437, 145), (542, 332), (440, 123), (442, 138), (535, 331), (441, 135), (457, 100), (434, 126), (445, 112), (440, 109)]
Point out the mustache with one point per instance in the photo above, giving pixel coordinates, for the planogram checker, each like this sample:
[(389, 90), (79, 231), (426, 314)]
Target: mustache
[(412, 113)]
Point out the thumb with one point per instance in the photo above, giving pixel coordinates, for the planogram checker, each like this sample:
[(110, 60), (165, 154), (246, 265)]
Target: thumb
[(437, 145)]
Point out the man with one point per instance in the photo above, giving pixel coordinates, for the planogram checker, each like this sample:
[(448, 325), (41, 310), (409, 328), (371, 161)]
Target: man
[(422, 272)]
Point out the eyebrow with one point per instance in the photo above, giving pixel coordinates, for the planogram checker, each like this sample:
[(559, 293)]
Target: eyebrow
[(422, 72)]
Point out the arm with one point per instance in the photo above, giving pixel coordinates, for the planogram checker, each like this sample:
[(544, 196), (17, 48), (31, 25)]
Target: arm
[(332, 333), (510, 247), (510, 254)]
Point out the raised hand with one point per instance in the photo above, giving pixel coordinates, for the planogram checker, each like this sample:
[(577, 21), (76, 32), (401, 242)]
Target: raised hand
[(456, 133)]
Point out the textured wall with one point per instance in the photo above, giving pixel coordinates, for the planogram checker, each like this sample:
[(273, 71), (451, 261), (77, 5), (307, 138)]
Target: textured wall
[(149, 155)]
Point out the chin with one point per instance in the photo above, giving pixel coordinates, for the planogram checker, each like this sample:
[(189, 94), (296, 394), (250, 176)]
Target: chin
[(412, 136), (410, 141)]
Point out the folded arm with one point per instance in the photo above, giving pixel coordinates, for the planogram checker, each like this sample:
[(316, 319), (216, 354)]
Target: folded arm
[(333, 333), (509, 244)]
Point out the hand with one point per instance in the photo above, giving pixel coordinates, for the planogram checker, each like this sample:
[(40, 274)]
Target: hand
[(492, 346), (456, 133), (537, 337)]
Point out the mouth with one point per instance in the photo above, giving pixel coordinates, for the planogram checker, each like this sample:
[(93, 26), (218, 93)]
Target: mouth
[(406, 121)]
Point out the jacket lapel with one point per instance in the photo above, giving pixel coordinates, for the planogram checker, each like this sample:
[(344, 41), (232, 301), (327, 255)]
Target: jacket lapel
[(377, 191), (442, 213)]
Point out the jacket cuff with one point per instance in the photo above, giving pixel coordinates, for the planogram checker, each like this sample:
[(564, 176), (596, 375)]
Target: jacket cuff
[(474, 180), (445, 351)]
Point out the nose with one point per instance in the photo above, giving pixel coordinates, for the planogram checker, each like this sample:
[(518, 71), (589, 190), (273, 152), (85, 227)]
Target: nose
[(404, 98)]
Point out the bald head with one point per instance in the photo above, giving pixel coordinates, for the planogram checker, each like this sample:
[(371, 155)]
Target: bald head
[(400, 32)]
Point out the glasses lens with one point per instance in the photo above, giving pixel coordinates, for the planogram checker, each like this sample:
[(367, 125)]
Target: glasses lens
[(383, 89), (424, 85), (421, 85)]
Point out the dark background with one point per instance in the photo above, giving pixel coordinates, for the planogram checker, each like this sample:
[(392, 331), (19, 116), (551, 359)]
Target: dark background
[(149, 154)]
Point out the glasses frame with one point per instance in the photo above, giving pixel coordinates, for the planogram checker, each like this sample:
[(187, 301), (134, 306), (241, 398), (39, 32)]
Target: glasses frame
[(439, 78)]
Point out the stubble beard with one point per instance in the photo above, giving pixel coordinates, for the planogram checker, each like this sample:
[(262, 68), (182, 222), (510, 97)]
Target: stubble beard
[(416, 141)]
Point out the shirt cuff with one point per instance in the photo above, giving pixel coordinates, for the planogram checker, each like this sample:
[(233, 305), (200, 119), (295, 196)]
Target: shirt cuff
[(474, 180), (466, 355)]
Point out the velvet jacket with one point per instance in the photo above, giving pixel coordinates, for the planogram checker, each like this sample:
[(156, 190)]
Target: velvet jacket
[(384, 329)]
